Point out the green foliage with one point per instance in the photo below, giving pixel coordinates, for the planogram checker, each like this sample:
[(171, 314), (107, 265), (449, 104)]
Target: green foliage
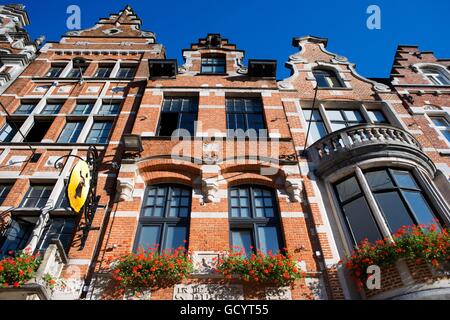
[(17, 269), (149, 269), (428, 244), (271, 269)]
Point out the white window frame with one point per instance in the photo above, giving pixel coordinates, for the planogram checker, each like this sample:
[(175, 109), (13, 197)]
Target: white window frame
[(439, 129), (439, 70)]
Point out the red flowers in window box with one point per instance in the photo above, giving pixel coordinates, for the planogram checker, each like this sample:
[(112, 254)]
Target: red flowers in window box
[(17, 269), (269, 270), (422, 244), (151, 269)]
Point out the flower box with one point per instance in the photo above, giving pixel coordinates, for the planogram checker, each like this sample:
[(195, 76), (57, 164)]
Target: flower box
[(273, 270), (150, 269)]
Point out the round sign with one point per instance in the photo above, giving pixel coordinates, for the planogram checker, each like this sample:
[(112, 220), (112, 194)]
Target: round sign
[(78, 186)]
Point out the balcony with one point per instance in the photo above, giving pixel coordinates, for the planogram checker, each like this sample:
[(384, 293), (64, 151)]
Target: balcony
[(363, 142)]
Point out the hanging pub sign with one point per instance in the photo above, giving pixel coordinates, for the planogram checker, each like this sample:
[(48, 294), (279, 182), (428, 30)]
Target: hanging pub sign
[(78, 186), (81, 189)]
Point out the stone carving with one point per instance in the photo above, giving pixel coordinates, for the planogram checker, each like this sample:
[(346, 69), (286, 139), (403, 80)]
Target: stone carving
[(210, 189), (340, 58), (281, 293), (68, 289), (294, 189), (210, 152), (285, 85), (125, 189), (205, 263), (208, 292), (8, 24), (381, 87), (241, 69), (297, 58)]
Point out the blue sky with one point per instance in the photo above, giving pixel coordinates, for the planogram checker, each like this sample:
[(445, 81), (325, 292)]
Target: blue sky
[(264, 29)]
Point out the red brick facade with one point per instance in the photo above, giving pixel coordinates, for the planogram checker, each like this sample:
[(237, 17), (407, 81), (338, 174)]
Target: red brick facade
[(209, 163)]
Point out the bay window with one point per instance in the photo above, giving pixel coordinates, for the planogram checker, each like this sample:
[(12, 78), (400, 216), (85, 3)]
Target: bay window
[(398, 201)]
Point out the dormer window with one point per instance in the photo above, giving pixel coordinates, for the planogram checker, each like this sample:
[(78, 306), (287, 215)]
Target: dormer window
[(262, 68), (327, 78), (160, 68), (436, 75), (213, 64)]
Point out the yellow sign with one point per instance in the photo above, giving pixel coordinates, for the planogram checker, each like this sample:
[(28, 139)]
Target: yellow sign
[(78, 186)]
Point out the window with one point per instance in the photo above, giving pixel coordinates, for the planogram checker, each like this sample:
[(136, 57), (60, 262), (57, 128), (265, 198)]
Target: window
[(59, 228), (109, 109), (9, 130), (327, 79), (329, 117), (51, 108), (37, 196), (83, 108), (103, 71), (245, 114), (254, 220), (355, 209), (25, 108), (213, 64), (164, 217), (71, 131), (4, 191), (38, 131), (441, 123), (16, 236), (55, 71), (377, 116), (317, 129), (99, 132), (126, 72), (398, 197), (344, 118), (398, 189), (77, 72), (436, 75), (178, 113), (63, 202)]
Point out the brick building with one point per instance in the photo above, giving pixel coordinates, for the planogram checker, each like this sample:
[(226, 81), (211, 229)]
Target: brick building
[(17, 50), (229, 157)]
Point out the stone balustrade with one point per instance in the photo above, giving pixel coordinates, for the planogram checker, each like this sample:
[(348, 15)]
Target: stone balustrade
[(365, 141)]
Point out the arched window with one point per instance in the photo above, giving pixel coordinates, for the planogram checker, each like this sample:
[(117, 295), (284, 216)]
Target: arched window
[(398, 197), (436, 75), (254, 219), (327, 78), (164, 217)]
